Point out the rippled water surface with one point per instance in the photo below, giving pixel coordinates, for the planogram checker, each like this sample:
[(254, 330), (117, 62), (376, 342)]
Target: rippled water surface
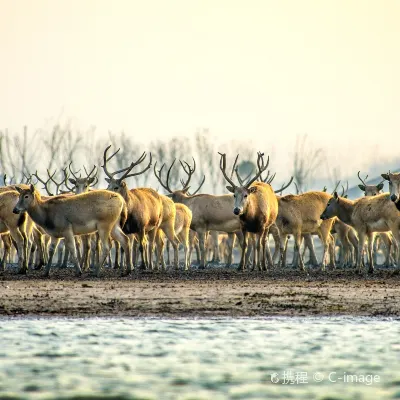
[(207, 359)]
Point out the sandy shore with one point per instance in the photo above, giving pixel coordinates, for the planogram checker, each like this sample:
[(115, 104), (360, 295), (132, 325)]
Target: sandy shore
[(210, 293)]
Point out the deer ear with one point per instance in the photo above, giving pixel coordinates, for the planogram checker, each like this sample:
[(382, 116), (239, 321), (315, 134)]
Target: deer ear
[(380, 186), (230, 189), (108, 180), (73, 181), (32, 188), (362, 187), (91, 180), (18, 189), (253, 189), (185, 190), (336, 196), (385, 176)]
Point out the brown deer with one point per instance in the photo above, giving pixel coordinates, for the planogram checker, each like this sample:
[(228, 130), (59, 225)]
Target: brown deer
[(67, 216), (147, 210), (256, 206)]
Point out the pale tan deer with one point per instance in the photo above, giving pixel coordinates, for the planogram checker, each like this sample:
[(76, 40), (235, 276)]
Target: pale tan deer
[(366, 215), (67, 216), (373, 190), (16, 225)]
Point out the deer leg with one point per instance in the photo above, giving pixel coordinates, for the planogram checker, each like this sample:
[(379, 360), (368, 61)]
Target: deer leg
[(151, 237), (52, 248), (160, 242), (17, 236), (40, 249), (278, 250), (119, 236), (388, 247), (361, 243), (267, 251), (169, 230), (215, 259), (332, 245), (202, 243), (7, 247), (60, 252), (86, 254), (242, 264), (231, 245), (297, 242), (283, 249), (70, 244), (168, 253), (370, 236)]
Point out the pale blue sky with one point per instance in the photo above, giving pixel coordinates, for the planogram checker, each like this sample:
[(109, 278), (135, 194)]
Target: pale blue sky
[(266, 70)]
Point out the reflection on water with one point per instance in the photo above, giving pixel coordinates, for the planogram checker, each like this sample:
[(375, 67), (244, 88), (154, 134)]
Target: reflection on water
[(200, 359)]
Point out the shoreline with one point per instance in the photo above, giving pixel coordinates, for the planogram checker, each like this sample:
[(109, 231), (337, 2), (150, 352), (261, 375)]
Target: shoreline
[(210, 293)]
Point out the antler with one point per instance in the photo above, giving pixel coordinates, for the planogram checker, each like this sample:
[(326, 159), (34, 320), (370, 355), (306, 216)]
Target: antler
[(222, 166), (105, 160), (45, 183), (335, 189), (72, 172), (261, 168), (286, 186), (268, 179), (57, 184), (88, 175), (125, 170), (359, 177), (66, 180), (190, 171), (159, 176), (240, 179), (344, 191)]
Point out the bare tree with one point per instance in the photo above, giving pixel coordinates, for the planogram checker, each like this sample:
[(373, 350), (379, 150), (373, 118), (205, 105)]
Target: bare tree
[(306, 160)]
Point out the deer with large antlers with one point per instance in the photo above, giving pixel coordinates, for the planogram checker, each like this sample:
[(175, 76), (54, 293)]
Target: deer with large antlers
[(148, 211), (209, 212), (256, 206)]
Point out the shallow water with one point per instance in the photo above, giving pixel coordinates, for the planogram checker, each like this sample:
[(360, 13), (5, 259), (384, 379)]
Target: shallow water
[(200, 359)]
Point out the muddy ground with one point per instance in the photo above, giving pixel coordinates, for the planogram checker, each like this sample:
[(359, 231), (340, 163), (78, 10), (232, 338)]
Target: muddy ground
[(213, 292)]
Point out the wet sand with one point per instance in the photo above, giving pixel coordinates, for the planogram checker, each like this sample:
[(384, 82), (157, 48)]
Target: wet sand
[(215, 292)]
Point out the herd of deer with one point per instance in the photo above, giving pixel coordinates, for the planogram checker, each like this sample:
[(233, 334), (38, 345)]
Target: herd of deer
[(141, 220)]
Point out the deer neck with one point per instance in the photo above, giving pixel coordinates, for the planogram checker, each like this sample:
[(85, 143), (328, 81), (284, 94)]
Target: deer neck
[(346, 208), (38, 210)]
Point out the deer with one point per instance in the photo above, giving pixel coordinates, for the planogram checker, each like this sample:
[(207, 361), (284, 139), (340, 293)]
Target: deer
[(183, 220), (366, 215), (256, 206), (373, 190), (148, 211), (66, 216), (300, 214), (209, 212), (82, 185), (274, 230), (19, 228)]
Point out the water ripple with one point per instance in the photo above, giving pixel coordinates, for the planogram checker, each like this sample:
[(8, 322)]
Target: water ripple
[(197, 359)]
